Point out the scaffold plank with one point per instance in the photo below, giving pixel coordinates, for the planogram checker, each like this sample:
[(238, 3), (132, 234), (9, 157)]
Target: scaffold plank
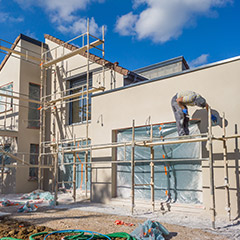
[(73, 53)]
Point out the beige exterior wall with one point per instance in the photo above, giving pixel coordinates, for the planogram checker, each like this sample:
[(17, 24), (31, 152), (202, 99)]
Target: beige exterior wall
[(29, 73), (21, 73), (219, 84)]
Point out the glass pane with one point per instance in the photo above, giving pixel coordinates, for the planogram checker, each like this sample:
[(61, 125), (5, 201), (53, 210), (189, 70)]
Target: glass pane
[(78, 109)]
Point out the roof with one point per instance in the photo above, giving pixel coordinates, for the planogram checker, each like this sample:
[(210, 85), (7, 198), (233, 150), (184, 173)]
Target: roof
[(210, 65), (21, 37), (94, 58), (162, 64)]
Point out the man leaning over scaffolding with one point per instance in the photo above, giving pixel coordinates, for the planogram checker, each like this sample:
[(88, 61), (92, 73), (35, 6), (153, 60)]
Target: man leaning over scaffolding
[(179, 105)]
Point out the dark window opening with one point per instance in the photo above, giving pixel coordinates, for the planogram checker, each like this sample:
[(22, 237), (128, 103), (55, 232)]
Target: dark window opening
[(78, 105), (34, 152), (33, 111)]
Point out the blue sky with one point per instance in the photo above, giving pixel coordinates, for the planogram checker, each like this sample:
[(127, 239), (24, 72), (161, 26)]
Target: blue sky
[(139, 32)]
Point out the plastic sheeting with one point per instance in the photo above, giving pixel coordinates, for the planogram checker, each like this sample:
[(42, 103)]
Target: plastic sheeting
[(176, 181), (66, 171)]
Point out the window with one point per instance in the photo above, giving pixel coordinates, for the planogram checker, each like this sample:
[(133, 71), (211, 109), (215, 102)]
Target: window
[(78, 105), (33, 112), (6, 102), (34, 151)]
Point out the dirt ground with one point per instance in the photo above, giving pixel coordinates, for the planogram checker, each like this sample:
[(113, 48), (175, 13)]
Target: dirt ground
[(21, 225)]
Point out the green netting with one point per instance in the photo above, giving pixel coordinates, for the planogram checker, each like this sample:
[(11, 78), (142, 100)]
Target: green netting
[(176, 181)]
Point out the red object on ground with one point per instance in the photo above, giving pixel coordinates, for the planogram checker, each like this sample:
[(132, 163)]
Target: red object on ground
[(119, 222)]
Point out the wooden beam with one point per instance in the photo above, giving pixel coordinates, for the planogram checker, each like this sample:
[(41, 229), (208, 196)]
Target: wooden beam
[(20, 53), (19, 98), (8, 133), (14, 157), (75, 95), (73, 53)]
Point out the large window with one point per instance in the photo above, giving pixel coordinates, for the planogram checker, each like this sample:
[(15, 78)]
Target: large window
[(33, 111), (78, 105)]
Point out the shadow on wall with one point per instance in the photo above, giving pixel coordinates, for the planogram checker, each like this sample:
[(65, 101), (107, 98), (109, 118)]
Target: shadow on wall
[(203, 126), (203, 115), (101, 192)]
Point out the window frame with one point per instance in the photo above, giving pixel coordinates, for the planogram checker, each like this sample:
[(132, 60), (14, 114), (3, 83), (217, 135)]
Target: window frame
[(7, 93), (29, 105), (82, 79)]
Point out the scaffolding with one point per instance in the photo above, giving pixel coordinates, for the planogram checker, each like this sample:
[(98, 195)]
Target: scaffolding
[(208, 137), (55, 100), (49, 150)]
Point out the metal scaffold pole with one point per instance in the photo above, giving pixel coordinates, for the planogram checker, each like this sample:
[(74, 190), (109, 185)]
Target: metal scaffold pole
[(103, 54), (211, 169), (87, 110), (225, 162), (55, 147), (133, 166), (41, 122), (74, 173), (152, 173)]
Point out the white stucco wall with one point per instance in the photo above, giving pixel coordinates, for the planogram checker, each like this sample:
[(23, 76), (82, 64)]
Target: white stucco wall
[(219, 84)]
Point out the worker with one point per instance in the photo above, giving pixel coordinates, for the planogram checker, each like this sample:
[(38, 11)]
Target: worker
[(179, 105)]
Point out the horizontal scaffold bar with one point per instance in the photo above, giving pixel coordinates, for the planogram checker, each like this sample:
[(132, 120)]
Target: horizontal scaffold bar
[(78, 94), (162, 160), (20, 53), (137, 143), (29, 166), (20, 98), (73, 53), (14, 157)]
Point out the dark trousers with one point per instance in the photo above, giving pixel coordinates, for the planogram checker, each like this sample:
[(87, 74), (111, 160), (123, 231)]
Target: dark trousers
[(181, 118)]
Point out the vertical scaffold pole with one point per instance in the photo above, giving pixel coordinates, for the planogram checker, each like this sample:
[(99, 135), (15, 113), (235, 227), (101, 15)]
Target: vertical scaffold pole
[(74, 173), (74, 177), (152, 172), (2, 172), (56, 172), (41, 122), (87, 110), (211, 170), (225, 161), (133, 165), (103, 54)]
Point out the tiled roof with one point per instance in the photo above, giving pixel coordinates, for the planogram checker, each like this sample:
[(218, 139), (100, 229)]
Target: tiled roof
[(94, 58)]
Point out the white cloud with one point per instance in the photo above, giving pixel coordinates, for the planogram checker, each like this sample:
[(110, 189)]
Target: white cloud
[(63, 13), (199, 60), (80, 26), (125, 24), (6, 17), (163, 20)]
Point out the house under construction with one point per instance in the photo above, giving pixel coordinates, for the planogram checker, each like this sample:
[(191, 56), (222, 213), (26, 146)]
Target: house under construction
[(70, 118)]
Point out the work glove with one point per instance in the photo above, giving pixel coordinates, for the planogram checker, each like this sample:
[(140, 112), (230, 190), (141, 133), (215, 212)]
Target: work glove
[(213, 118), (185, 111)]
